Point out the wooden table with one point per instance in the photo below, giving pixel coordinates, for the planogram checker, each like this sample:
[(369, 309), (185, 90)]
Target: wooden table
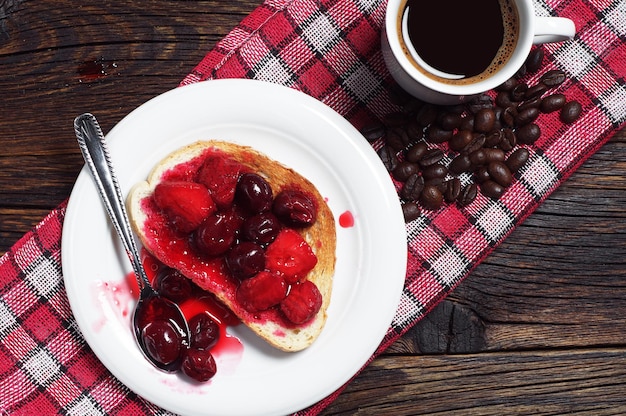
[(538, 327)]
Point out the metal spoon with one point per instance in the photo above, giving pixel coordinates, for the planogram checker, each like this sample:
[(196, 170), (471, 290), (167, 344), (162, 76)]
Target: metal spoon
[(151, 305)]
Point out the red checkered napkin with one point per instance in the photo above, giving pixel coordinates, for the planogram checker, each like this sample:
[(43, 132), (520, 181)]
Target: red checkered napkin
[(329, 50)]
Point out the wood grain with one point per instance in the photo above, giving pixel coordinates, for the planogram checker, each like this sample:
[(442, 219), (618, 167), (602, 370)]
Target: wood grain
[(537, 328)]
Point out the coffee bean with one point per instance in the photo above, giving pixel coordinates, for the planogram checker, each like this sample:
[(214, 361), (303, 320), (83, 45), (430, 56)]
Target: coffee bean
[(507, 85), (527, 115), (480, 102), (500, 173), (481, 175), (436, 134), (467, 123), (509, 114), (405, 169), (414, 130), (494, 155), (494, 138), (478, 157), (503, 99), (509, 140), (519, 91), (491, 189), (416, 152), (460, 164), (477, 143), (431, 157), (412, 188), (528, 133), (397, 138), (484, 120), (410, 211), (453, 190), (373, 131), (388, 156), (552, 103), (438, 183), (553, 78), (449, 120), (431, 198), (468, 194), (530, 103), (570, 112), (536, 90), (435, 171), (460, 140), (534, 59), (517, 159)]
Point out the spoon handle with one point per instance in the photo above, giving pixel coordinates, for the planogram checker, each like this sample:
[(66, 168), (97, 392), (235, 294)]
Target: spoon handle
[(96, 154)]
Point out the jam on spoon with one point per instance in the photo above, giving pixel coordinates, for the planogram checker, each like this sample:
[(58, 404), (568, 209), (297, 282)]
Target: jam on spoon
[(159, 326)]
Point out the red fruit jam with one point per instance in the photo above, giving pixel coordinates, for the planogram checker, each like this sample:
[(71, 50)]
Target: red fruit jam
[(239, 241)]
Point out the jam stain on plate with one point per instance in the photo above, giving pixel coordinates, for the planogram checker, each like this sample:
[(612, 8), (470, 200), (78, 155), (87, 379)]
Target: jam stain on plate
[(346, 220)]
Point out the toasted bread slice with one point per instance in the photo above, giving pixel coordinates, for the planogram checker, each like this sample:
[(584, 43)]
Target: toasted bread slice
[(176, 251)]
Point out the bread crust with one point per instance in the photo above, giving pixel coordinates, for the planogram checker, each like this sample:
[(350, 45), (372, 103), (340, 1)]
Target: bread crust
[(321, 236)]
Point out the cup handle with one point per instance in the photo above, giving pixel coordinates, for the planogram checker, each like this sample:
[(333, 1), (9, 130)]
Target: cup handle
[(553, 29)]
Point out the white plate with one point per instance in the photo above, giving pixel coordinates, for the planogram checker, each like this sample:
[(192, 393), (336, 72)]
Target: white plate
[(301, 132)]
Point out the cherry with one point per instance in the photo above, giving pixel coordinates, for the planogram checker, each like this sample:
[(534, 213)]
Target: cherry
[(162, 341), (261, 228), (199, 364), (245, 260), (294, 208), (172, 284), (253, 193), (204, 331), (216, 234)]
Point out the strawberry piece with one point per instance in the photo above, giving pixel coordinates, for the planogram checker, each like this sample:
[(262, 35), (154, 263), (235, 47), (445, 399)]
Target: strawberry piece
[(302, 303), (290, 255), (220, 175), (186, 204), (262, 291)]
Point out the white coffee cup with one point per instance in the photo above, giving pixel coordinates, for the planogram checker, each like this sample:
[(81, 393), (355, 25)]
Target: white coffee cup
[(426, 84)]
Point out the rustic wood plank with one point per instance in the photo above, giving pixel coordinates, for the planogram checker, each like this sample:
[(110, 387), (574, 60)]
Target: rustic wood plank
[(588, 381)]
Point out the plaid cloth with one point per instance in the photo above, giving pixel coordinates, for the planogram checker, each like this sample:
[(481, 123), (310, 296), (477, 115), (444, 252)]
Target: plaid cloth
[(329, 50)]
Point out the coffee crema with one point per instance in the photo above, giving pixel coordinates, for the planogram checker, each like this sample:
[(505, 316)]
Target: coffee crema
[(463, 41)]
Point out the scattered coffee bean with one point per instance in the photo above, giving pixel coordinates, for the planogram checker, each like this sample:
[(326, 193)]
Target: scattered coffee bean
[(484, 120), (435, 134), (534, 60), (491, 189), (500, 173), (527, 115), (480, 138), (517, 159), (435, 171), (431, 197), (528, 133), (460, 164), (553, 78), (468, 195), (416, 152), (453, 190), (552, 103), (535, 91), (373, 131), (388, 156), (570, 112), (460, 140), (431, 157), (412, 188), (410, 211), (405, 169)]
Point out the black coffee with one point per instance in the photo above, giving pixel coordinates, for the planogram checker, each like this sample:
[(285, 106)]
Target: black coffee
[(468, 38)]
